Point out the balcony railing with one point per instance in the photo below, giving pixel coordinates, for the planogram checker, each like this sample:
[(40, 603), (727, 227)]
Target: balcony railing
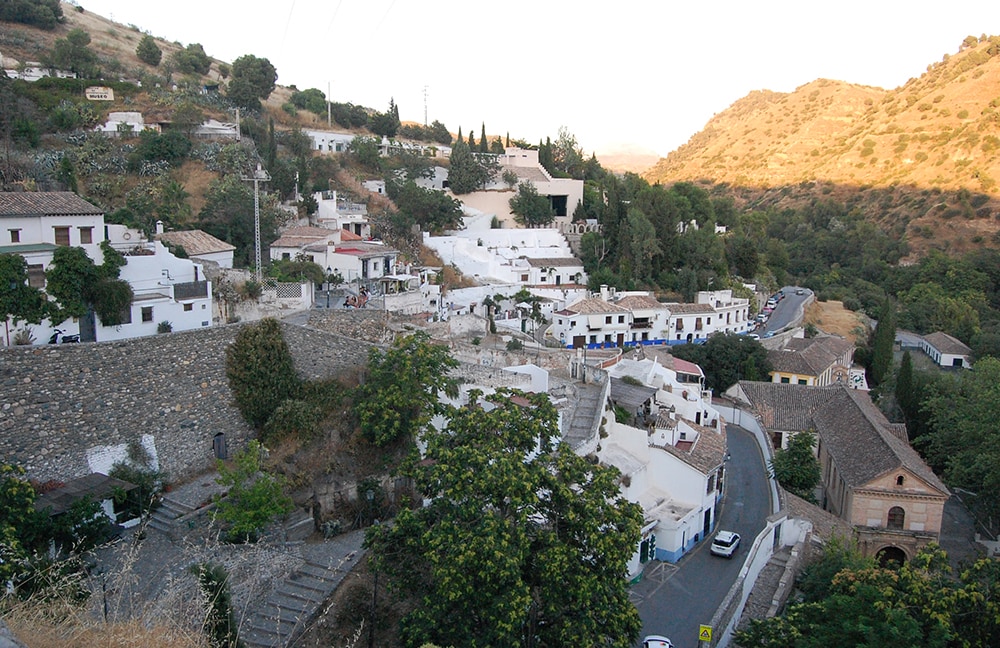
[(191, 290)]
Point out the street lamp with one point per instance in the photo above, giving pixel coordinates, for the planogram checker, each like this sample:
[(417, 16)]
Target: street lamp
[(329, 271)]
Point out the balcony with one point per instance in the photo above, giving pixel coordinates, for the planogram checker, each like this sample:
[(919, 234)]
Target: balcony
[(190, 290)]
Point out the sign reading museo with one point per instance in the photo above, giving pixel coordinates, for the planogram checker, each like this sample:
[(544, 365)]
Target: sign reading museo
[(100, 93)]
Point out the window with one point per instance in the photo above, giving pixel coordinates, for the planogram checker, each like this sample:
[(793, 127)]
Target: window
[(899, 480), (524, 277), (61, 235), (621, 319), (15, 236), (784, 380), (593, 339), (147, 313), (86, 235), (896, 518), (803, 381), (285, 256), (36, 275), (607, 319), (188, 307)]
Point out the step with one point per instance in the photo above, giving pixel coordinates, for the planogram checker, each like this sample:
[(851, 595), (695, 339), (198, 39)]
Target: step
[(304, 593), (309, 582), (277, 627), (253, 637), (317, 571), (293, 603)]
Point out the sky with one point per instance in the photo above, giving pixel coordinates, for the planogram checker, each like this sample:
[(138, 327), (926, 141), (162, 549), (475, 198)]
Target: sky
[(632, 73)]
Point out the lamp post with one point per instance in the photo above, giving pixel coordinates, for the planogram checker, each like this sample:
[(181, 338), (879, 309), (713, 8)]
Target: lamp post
[(329, 272), (260, 175), (370, 495)]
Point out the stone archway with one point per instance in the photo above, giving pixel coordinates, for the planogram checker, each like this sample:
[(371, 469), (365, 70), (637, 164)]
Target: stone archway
[(888, 555)]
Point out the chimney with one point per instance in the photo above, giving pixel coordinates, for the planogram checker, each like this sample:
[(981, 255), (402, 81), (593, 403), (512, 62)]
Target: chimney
[(604, 292), (159, 227)]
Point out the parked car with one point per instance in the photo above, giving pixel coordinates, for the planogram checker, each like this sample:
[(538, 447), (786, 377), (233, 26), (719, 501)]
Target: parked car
[(725, 544), (800, 292), (754, 336), (656, 641)]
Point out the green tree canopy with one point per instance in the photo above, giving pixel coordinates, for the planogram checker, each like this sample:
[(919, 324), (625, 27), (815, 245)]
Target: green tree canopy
[(228, 215), (45, 14), (434, 211), (469, 171), (260, 371), (725, 358), (252, 79), (72, 53), (148, 51), (531, 208), (79, 287), (19, 301), (254, 498), (385, 124), (192, 60), (796, 467), (403, 389), (523, 543), (883, 340)]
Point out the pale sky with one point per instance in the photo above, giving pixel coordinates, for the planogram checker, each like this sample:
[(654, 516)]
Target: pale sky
[(631, 72)]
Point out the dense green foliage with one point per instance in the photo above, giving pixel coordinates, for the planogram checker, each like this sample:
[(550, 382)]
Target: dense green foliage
[(39, 13), (523, 542), (852, 602), (403, 389), (883, 339), (434, 211), (80, 287), (796, 467), (71, 53), (468, 170), (385, 124), (148, 51), (19, 301), (530, 208), (253, 79), (260, 371), (228, 215), (220, 622), (727, 358), (254, 498), (192, 60)]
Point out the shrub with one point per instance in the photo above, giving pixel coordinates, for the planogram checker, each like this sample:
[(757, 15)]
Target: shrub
[(164, 327)]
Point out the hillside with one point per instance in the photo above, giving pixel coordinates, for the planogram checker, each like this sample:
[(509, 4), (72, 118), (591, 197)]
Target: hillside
[(929, 150)]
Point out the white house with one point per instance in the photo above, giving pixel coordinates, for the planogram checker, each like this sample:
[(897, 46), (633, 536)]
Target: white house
[(336, 213), (670, 447), (125, 123), (946, 351), (329, 141), (592, 323), (166, 288)]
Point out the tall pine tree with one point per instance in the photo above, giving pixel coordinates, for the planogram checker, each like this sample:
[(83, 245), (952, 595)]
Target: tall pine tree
[(484, 144)]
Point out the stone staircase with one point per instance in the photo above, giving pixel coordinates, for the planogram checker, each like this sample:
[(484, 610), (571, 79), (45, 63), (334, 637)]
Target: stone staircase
[(293, 604), (166, 516)]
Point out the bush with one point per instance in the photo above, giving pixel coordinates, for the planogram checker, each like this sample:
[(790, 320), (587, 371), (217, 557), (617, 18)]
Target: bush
[(514, 345), (164, 327), (852, 304)]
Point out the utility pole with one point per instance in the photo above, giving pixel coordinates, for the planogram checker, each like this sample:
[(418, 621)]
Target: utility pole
[(329, 122), (260, 175), (425, 106)]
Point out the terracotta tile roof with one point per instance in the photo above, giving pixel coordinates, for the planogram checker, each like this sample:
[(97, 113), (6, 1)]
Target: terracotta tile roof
[(195, 242), (947, 344), (638, 302), (45, 203), (591, 306), (348, 235), (555, 262), (862, 442), (689, 309), (366, 250), (707, 453)]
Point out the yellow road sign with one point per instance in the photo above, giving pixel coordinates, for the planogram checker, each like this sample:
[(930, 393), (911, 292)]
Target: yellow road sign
[(704, 633)]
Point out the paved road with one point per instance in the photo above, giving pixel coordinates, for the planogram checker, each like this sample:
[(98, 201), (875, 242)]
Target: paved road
[(787, 311), (673, 600)]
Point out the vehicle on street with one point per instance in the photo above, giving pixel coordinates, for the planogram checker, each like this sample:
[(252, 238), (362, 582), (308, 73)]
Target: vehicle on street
[(754, 336), (725, 544), (656, 641), (800, 292)]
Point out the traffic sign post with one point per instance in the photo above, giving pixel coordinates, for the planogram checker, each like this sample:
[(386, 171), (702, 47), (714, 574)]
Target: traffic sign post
[(705, 634)]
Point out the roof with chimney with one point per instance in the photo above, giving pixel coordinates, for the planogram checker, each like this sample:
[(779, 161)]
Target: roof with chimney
[(45, 203)]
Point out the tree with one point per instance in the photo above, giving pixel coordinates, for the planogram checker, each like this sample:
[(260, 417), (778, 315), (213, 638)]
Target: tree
[(366, 151), (531, 208), (434, 211), (523, 542), (906, 394), (439, 133), (45, 14), (386, 124), (640, 248), (313, 100), (220, 623), (148, 52), (72, 53), (252, 79), (254, 498), (796, 467), (82, 289), (468, 171), (724, 358), (403, 389), (260, 371), (18, 300), (484, 144), (192, 60), (883, 339), (228, 215)]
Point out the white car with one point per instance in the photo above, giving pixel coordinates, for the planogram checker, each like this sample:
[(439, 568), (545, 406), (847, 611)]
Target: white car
[(656, 641), (725, 544)]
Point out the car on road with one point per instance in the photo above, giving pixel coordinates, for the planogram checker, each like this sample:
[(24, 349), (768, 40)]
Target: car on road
[(800, 292), (725, 544), (753, 336), (656, 641)]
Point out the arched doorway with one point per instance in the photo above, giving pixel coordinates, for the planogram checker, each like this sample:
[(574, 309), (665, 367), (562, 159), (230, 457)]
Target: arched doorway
[(888, 556)]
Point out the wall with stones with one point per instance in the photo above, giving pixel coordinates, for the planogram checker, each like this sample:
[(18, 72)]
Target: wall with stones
[(68, 410)]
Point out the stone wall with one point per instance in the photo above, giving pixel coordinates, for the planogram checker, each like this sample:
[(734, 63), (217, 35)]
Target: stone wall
[(64, 407)]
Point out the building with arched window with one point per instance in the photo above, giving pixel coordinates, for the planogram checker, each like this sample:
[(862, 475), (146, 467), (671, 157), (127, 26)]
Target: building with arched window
[(871, 477)]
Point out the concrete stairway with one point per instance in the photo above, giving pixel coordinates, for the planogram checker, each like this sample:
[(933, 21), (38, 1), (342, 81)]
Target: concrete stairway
[(164, 518), (293, 604)]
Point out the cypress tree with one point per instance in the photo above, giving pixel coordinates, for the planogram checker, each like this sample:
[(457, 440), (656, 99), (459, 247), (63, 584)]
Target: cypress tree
[(472, 141), (906, 395), (484, 144), (882, 342)]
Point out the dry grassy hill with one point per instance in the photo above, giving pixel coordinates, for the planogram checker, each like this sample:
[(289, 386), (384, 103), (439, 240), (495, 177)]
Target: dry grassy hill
[(928, 151)]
